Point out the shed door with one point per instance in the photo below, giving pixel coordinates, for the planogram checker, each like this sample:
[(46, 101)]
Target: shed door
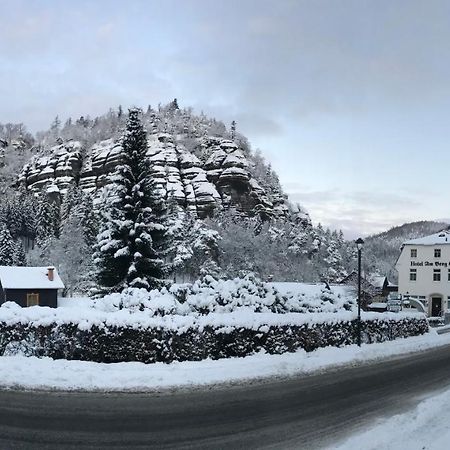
[(32, 299)]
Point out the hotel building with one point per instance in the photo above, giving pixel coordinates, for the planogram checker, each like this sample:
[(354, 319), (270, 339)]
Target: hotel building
[(424, 271)]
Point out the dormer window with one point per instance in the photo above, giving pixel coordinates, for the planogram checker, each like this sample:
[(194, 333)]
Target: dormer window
[(414, 253), (437, 252)]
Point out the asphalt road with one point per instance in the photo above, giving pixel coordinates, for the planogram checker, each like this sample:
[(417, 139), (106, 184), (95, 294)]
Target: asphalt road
[(299, 413)]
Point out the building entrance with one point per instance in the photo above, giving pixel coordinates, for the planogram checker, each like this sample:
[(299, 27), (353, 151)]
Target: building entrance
[(436, 306)]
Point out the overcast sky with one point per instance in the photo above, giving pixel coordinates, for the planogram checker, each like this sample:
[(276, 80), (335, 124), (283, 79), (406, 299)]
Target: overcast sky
[(349, 100)]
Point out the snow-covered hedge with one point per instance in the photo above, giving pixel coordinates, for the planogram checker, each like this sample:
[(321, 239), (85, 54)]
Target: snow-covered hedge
[(123, 335), (224, 296)]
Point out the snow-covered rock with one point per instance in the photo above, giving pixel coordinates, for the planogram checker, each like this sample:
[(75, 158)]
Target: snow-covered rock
[(220, 177)]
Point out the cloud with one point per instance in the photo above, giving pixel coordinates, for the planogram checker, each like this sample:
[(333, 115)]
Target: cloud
[(275, 60), (296, 75), (356, 213)]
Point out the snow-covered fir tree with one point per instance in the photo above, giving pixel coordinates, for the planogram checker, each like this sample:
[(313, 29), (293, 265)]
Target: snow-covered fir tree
[(20, 258), (7, 248), (48, 221), (129, 252)]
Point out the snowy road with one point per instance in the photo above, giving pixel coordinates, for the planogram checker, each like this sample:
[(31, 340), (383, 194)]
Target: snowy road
[(309, 412)]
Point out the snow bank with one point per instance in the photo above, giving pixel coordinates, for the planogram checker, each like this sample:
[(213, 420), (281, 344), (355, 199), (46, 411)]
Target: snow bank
[(425, 427), (81, 375)]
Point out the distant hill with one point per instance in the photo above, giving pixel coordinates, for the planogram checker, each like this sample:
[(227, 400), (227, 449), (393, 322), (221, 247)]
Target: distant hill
[(381, 250)]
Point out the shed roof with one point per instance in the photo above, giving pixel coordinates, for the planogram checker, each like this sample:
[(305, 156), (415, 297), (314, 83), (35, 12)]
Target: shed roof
[(12, 277), (441, 238)]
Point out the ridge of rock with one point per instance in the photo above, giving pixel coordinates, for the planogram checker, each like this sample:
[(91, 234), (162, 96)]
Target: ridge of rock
[(218, 177)]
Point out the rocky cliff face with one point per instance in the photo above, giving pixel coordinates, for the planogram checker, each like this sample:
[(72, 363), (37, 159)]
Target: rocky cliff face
[(215, 175)]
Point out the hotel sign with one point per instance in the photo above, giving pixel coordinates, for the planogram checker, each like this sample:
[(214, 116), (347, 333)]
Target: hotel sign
[(429, 264)]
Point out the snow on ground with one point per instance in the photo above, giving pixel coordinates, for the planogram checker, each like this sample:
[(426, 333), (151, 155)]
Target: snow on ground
[(75, 302), (80, 375), (312, 289), (425, 427)]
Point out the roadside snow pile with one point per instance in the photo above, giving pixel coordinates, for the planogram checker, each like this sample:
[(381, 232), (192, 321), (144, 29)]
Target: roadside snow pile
[(134, 376), (424, 427), (225, 296)]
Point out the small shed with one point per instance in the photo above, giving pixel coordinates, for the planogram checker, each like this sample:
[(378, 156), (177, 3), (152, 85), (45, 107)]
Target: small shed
[(30, 286), (372, 286), (382, 285)]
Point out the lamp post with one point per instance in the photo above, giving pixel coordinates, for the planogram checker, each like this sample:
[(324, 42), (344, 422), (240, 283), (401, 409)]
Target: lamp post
[(359, 244)]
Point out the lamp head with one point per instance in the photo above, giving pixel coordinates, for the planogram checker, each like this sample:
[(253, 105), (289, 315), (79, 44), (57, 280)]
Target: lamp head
[(359, 243)]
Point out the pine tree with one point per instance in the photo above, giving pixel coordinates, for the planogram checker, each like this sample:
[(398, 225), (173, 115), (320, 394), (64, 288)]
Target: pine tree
[(48, 221), (72, 201), (173, 105), (129, 248), (233, 130), (19, 254), (13, 217), (89, 220), (7, 247), (56, 124), (55, 214)]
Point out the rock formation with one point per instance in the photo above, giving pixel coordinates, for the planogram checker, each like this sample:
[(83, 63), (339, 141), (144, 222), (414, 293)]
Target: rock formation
[(217, 175)]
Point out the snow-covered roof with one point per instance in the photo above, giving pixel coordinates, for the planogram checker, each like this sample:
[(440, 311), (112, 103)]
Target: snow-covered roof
[(377, 281), (29, 278), (441, 238), (377, 305)]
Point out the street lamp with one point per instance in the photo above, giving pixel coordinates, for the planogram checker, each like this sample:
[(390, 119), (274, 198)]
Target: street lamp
[(359, 244)]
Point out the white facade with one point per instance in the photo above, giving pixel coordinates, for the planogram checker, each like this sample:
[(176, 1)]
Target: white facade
[(424, 271)]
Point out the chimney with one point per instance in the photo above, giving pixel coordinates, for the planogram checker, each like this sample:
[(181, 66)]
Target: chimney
[(50, 273)]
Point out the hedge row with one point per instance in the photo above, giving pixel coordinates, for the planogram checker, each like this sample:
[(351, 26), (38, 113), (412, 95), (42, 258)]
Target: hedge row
[(120, 344)]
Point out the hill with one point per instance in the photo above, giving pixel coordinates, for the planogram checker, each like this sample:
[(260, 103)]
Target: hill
[(228, 211)]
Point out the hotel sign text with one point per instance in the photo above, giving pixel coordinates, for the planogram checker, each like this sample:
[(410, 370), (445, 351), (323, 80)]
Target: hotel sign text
[(429, 264)]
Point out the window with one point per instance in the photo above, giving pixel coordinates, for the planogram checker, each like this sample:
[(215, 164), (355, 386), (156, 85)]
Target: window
[(437, 275), (412, 274), (414, 253), (32, 299), (437, 252)]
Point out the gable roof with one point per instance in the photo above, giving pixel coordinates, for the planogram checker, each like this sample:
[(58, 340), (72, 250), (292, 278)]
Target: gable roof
[(441, 238), (366, 286), (12, 277), (378, 281)]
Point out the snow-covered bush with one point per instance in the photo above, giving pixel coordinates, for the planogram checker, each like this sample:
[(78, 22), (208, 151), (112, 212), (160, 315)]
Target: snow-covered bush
[(155, 303), (209, 295), (29, 346)]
